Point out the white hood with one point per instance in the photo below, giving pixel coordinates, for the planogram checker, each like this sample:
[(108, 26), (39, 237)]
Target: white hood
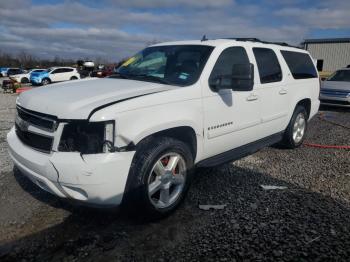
[(76, 99), (336, 85)]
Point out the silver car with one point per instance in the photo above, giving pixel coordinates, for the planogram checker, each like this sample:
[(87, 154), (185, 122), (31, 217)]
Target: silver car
[(335, 91)]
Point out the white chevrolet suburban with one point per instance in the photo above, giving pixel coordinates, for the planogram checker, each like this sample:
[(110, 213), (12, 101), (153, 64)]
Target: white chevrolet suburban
[(134, 138)]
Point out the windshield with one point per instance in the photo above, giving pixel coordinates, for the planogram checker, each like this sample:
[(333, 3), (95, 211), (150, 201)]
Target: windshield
[(341, 75), (174, 65)]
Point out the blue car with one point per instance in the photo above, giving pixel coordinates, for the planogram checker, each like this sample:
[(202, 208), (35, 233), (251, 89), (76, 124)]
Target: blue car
[(40, 78), (54, 74), (3, 71)]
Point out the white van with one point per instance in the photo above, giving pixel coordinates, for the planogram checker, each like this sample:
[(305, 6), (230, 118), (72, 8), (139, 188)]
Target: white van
[(135, 138)]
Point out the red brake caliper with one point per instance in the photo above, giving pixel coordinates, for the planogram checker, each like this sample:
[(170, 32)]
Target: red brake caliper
[(165, 162)]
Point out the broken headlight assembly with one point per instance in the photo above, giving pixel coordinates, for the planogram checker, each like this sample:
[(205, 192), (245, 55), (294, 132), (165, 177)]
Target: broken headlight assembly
[(87, 137)]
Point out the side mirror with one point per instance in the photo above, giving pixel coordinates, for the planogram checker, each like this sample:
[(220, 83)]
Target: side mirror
[(243, 77)]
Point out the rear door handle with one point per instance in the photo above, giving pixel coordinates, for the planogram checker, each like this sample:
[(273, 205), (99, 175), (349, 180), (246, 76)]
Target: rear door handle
[(252, 98), (283, 92)]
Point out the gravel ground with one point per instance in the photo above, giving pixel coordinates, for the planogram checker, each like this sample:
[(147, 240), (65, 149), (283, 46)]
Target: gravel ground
[(307, 221)]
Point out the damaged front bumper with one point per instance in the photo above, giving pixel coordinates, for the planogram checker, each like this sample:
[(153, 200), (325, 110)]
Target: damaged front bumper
[(97, 179)]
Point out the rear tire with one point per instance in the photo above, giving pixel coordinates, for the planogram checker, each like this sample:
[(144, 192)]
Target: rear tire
[(159, 178), (24, 80), (73, 78), (296, 130)]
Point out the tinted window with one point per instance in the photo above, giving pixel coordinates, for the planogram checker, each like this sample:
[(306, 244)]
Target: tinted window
[(300, 65), (341, 75), (268, 65), (65, 70), (226, 61), (59, 70), (14, 71)]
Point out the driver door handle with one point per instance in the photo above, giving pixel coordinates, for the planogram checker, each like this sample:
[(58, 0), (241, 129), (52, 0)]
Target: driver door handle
[(252, 97)]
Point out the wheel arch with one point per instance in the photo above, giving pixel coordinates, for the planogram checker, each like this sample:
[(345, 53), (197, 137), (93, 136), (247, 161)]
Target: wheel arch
[(185, 134), (25, 77), (306, 103), (48, 78)]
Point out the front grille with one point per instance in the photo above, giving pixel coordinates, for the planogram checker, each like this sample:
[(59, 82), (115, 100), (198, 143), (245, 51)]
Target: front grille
[(40, 120), (336, 102), (335, 93), (36, 141)]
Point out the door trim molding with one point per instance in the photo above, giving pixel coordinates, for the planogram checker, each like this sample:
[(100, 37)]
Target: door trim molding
[(240, 152)]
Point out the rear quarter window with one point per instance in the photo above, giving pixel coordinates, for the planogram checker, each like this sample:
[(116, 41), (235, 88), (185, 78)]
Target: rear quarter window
[(300, 65)]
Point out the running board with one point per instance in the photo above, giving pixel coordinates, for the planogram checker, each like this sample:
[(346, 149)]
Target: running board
[(241, 151)]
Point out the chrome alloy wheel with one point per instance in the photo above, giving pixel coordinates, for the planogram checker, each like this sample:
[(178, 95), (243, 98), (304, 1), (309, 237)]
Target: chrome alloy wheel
[(299, 128), (167, 180)]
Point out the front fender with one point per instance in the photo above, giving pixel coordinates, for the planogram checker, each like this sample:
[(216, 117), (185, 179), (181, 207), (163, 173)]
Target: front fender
[(133, 126)]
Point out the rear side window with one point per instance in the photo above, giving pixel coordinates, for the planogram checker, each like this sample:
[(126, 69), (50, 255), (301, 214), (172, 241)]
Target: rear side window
[(57, 71), (268, 65), (300, 65)]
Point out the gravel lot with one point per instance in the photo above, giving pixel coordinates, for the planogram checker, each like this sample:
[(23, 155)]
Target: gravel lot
[(308, 221)]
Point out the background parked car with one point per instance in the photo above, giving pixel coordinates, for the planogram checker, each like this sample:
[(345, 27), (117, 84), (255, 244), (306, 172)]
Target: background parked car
[(54, 74), (335, 90), (15, 71), (106, 71), (3, 71), (25, 77)]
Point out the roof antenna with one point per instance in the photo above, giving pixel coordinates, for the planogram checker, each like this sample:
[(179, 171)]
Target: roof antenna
[(204, 38)]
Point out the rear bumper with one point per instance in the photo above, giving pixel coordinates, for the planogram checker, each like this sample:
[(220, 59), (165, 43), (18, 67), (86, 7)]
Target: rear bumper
[(97, 179)]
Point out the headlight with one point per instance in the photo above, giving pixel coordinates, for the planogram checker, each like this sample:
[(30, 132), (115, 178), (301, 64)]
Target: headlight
[(87, 137)]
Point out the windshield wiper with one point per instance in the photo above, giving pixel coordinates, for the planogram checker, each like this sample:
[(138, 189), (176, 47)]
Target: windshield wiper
[(118, 75), (152, 78)]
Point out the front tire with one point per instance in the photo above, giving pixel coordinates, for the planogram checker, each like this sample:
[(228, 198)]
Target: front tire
[(45, 81), (296, 130), (159, 177)]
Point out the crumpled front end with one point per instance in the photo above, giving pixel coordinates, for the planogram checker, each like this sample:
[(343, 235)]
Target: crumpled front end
[(97, 179)]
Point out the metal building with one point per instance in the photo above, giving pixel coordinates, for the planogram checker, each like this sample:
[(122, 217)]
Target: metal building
[(330, 53)]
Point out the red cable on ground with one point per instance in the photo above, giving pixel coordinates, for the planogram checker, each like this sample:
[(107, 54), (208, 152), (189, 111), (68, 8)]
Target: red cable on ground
[(326, 146), (321, 116)]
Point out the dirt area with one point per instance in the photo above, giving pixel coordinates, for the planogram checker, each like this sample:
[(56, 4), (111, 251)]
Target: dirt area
[(307, 221)]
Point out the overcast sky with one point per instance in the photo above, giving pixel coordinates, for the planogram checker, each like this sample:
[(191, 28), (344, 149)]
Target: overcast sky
[(114, 29)]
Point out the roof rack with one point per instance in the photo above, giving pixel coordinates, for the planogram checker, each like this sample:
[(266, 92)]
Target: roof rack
[(252, 39)]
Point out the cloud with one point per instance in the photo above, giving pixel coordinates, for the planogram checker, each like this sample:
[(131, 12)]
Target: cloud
[(322, 18), (114, 29), (172, 3)]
